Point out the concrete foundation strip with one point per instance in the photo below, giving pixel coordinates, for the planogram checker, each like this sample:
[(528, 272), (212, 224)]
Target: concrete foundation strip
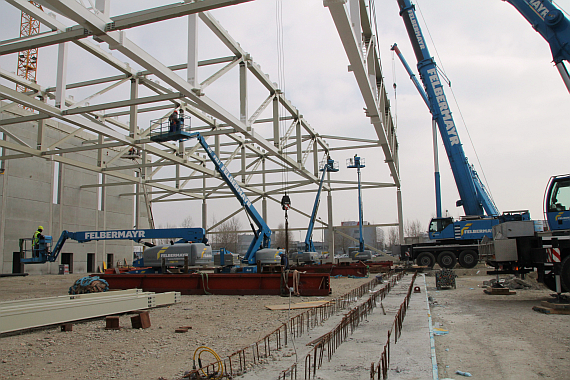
[(338, 335), (435, 370), (238, 362), (25, 314), (383, 365)]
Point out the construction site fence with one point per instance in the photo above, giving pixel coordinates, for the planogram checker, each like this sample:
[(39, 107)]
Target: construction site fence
[(240, 361), (380, 370), (328, 343)]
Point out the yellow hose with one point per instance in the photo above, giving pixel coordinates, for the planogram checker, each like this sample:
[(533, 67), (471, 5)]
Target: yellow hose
[(219, 363)]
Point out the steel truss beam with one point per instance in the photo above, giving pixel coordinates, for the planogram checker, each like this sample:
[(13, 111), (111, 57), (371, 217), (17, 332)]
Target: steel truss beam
[(234, 138)]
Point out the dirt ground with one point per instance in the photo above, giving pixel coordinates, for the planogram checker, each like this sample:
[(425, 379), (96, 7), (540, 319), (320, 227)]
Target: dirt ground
[(224, 323), (492, 337), (498, 337)]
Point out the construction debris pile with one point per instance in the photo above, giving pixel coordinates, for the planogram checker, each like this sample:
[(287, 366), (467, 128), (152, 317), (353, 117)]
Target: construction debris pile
[(513, 282)]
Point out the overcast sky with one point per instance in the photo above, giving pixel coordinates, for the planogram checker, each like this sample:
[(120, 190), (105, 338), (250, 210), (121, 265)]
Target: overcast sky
[(509, 93)]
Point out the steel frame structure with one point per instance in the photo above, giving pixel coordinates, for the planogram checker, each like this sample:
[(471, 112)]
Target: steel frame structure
[(235, 138)]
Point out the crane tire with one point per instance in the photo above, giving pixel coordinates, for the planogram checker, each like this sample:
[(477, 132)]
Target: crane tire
[(447, 259), (425, 259), (468, 258), (565, 274)]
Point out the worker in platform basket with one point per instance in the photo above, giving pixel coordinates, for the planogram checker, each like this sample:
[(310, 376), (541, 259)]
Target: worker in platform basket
[(174, 122), (36, 241)]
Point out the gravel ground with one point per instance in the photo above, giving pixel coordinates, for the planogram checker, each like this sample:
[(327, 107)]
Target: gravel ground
[(224, 323), (491, 337)]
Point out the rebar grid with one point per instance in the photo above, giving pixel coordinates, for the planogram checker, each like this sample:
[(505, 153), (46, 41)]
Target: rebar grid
[(384, 362), (333, 339), (295, 327)]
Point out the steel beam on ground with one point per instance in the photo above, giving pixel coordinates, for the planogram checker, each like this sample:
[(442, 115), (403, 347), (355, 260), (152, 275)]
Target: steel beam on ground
[(14, 318), (31, 301)]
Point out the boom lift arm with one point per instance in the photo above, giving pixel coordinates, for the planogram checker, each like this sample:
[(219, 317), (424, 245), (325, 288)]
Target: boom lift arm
[(329, 166), (473, 195), (553, 26), (262, 238), (43, 254)]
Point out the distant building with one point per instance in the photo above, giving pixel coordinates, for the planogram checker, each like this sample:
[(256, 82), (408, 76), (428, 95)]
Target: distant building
[(351, 228)]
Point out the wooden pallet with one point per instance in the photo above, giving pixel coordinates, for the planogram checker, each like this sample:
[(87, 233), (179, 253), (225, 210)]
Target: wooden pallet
[(499, 291), (552, 308)]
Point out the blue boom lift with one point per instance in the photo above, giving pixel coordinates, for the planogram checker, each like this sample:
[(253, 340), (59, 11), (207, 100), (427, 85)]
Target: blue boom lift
[(360, 254), (259, 250), (309, 253), (43, 252)]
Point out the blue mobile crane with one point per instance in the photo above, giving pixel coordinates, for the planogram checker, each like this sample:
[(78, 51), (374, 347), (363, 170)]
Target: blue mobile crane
[(309, 253), (451, 240), (473, 196), (518, 244)]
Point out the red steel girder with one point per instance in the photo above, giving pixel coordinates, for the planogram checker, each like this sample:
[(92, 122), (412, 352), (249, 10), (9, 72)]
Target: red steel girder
[(310, 284)]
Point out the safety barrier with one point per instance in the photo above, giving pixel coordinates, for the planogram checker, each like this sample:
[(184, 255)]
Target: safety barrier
[(240, 361), (381, 368)]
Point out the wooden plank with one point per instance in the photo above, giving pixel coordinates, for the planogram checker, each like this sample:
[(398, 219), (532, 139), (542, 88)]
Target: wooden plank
[(553, 305), (547, 310), (301, 305), (499, 291)]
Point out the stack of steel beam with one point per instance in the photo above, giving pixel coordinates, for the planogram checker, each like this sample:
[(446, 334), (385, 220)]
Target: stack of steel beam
[(36, 312)]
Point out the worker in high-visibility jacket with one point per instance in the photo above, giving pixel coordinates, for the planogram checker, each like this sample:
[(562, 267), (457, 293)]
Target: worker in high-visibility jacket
[(36, 241)]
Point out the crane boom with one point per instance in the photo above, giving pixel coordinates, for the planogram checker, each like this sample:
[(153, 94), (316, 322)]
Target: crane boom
[(473, 195), (553, 26)]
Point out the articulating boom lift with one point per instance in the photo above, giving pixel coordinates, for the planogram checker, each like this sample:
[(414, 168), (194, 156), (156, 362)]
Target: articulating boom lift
[(309, 253), (43, 252), (260, 247)]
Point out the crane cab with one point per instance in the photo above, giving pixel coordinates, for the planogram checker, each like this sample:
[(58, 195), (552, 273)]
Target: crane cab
[(438, 228), (557, 203)]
